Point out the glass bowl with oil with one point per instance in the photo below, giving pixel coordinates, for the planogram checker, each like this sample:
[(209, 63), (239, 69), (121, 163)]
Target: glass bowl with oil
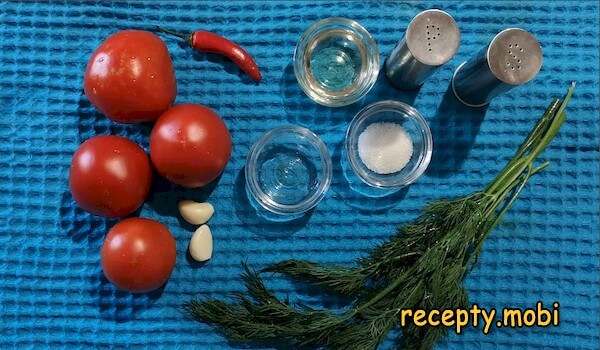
[(336, 62), (288, 170)]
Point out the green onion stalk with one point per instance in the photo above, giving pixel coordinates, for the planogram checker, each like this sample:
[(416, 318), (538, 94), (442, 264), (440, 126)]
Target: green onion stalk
[(422, 267)]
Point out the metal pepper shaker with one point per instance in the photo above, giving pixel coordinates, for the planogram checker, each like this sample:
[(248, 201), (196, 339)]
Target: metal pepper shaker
[(512, 58), (431, 39)]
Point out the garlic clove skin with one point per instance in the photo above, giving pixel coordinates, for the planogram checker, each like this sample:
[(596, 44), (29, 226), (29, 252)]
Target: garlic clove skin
[(201, 244), (196, 213)]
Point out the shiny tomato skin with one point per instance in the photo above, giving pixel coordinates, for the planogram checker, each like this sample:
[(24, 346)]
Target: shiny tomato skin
[(110, 176), (130, 77), (138, 255), (190, 145)]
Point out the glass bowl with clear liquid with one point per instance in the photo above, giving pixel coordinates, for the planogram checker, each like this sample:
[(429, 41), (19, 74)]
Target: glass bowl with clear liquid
[(288, 170), (336, 62)]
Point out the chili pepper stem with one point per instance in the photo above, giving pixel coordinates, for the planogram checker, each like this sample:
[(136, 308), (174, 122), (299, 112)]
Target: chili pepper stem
[(186, 37)]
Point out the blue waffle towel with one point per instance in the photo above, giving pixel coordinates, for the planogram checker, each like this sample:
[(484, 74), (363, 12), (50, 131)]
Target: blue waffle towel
[(52, 291)]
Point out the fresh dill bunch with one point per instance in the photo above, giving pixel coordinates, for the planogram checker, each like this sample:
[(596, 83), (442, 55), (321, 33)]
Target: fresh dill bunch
[(423, 266)]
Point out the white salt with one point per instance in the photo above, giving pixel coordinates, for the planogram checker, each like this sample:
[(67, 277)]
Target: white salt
[(385, 148)]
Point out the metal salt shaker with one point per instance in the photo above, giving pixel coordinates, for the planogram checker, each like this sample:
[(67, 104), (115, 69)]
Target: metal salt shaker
[(513, 57), (431, 39)]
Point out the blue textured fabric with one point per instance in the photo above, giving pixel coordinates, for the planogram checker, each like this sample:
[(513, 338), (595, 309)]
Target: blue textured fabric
[(52, 291)]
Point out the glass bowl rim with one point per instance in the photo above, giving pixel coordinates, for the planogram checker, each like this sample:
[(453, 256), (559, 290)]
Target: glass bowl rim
[(250, 170)]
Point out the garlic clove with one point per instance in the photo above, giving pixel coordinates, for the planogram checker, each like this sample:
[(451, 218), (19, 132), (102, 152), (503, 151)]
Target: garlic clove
[(201, 244), (196, 213)]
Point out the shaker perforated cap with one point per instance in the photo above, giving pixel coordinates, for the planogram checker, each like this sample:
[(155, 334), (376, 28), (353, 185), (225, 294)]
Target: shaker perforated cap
[(515, 56), (512, 58), (433, 37)]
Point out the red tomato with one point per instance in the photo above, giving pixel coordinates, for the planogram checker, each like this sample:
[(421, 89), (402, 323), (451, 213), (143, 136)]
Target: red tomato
[(110, 176), (138, 255), (190, 145), (130, 77)]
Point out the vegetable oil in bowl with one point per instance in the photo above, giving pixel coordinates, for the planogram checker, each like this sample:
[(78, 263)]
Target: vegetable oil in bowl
[(336, 59), (336, 62)]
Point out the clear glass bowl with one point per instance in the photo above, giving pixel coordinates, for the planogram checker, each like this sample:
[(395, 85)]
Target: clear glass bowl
[(336, 62), (288, 170), (414, 124)]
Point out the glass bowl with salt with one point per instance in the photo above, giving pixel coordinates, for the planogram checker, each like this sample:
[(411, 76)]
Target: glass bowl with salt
[(388, 144)]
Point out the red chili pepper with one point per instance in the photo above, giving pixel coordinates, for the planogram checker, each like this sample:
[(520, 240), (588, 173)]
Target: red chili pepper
[(204, 41)]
